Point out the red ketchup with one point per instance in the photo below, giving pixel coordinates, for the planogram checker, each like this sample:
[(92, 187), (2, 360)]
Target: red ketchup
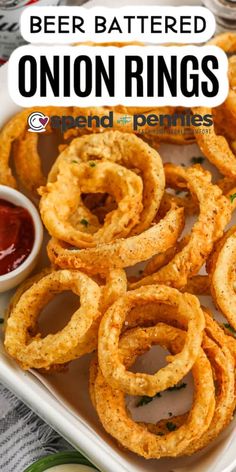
[(16, 236)]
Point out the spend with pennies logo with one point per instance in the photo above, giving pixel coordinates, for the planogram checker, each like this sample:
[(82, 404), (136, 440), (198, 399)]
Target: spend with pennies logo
[(124, 120), (37, 122)]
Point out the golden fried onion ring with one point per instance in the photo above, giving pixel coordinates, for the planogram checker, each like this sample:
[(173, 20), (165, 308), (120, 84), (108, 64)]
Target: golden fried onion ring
[(28, 162), (185, 201), (225, 114), (115, 287), (229, 106), (12, 131), (225, 41), (67, 344), (198, 285), (23, 287), (222, 364), (111, 326), (215, 212), (110, 402), (222, 275), (129, 151), (215, 146), (123, 252), (65, 221)]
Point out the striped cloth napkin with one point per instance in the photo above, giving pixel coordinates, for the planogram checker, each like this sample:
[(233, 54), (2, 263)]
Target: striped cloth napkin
[(24, 437)]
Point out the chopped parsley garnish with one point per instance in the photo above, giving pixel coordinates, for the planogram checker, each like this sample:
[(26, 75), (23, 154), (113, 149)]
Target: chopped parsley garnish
[(230, 328), (171, 426), (145, 400), (197, 160), (84, 222), (177, 387), (232, 197), (92, 164), (74, 162), (178, 192)]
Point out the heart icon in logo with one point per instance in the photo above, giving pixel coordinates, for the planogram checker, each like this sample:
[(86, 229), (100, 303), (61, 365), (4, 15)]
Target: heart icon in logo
[(44, 121), (37, 122)]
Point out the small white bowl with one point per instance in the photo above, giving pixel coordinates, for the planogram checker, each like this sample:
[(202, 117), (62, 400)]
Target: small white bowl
[(14, 278)]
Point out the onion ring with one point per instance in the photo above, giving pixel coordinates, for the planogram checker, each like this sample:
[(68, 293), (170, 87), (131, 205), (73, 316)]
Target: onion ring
[(160, 260), (129, 151), (64, 346), (110, 329), (123, 252), (23, 287), (215, 213), (221, 334), (186, 202), (225, 114), (229, 106), (29, 171), (198, 285), (65, 221), (225, 41), (115, 287), (13, 130), (223, 367), (221, 269), (110, 403), (215, 147)]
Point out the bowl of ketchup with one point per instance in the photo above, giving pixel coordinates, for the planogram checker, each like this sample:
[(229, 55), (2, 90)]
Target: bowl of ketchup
[(21, 236)]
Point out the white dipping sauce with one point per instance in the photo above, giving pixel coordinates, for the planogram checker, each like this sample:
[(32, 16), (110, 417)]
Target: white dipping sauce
[(71, 468)]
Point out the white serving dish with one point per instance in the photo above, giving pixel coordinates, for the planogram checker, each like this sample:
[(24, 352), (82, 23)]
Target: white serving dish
[(62, 399)]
